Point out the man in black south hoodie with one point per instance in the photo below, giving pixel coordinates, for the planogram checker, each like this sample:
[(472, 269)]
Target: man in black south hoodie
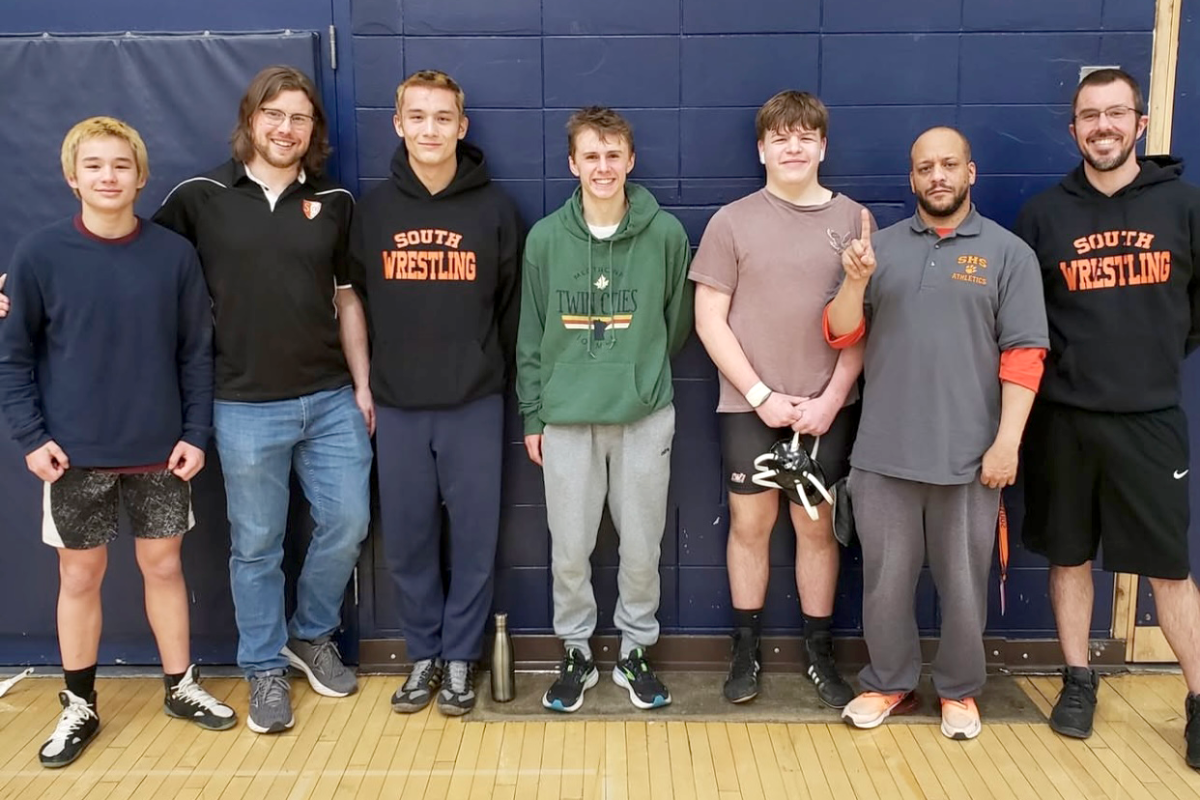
[(1106, 450), (437, 256)]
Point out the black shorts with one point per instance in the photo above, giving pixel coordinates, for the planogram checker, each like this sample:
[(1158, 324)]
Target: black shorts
[(745, 437), (1115, 481), (79, 510)]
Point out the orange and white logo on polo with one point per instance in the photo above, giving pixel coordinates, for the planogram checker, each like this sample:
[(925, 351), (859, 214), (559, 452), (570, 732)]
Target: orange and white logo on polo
[(311, 208)]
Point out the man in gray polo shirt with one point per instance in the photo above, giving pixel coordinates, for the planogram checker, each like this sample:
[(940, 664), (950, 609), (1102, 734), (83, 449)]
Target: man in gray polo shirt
[(952, 363)]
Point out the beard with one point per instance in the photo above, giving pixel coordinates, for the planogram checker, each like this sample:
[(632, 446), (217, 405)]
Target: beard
[(944, 208), (1108, 163), (263, 148)]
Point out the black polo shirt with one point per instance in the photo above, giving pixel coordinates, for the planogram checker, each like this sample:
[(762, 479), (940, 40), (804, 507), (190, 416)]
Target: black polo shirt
[(272, 273)]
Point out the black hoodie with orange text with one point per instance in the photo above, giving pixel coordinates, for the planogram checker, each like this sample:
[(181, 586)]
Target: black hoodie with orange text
[(1121, 284), (440, 275)]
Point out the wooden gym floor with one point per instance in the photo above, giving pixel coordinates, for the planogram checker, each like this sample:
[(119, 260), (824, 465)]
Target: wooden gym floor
[(357, 748)]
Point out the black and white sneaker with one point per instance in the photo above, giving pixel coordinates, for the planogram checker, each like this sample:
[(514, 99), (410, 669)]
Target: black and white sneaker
[(457, 696), (576, 675), (822, 671), (188, 700), (77, 726), (419, 689), (634, 674), (741, 685)]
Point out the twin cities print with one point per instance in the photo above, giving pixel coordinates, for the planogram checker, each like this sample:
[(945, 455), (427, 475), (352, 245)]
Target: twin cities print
[(415, 260), (1098, 269)]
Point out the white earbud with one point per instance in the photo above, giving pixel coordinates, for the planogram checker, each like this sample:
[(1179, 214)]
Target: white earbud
[(822, 155), (762, 159)]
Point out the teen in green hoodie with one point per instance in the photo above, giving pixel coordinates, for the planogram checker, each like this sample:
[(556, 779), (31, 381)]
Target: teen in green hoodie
[(605, 304)]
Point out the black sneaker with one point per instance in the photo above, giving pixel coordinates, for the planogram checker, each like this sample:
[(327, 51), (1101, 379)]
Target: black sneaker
[(742, 684), (576, 675), (635, 674), (1191, 733), (77, 726), (458, 692), (1076, 705), (419, 689), (822, 671), (188, 700)]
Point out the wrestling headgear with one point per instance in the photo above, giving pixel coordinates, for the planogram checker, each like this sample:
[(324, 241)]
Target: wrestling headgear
[(789, 467)]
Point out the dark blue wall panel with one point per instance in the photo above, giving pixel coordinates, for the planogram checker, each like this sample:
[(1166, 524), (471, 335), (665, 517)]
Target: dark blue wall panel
[(765, 65), (613, 18), (751, 16), (876, 16), (438, 17), (923, 72), (615, 71)]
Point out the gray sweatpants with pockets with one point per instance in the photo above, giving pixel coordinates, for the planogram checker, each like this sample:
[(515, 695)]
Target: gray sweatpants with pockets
[(630, 465), (899, 522)]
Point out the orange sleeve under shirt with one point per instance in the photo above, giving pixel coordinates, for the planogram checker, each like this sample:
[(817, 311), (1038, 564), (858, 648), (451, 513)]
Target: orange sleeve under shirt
[(1021, 365), (846, 339)]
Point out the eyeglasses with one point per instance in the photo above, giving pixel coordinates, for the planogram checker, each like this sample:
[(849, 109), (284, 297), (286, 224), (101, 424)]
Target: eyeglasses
[(1117, 114), (275, 118)]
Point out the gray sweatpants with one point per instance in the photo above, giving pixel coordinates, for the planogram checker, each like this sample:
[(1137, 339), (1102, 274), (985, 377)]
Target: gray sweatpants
[(630, 465), (899, 522)]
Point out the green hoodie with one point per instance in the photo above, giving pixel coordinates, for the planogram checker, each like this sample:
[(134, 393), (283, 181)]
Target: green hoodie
[(601, 318)]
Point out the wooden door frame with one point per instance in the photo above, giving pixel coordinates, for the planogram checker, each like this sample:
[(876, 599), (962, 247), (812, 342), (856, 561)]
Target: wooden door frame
[(1146, 643)]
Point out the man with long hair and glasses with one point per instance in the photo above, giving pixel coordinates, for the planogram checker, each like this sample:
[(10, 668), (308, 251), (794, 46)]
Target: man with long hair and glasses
[(291, 381)]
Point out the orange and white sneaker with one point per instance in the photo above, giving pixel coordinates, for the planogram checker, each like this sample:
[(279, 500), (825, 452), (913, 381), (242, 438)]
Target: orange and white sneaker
[(870, 709), (960, 719)]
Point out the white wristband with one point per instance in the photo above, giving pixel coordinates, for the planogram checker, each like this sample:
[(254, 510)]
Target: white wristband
[(758, 394)]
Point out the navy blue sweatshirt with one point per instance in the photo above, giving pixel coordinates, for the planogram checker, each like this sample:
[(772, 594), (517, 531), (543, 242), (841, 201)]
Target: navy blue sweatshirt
[(107, 349)]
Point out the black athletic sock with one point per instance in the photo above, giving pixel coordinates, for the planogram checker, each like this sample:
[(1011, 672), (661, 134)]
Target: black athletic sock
[(749, 619), (171, 681), (81, 682), (816, 625)]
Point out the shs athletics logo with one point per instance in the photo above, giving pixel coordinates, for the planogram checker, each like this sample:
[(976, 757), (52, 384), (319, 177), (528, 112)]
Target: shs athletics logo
[(969, 267), (311, 208)]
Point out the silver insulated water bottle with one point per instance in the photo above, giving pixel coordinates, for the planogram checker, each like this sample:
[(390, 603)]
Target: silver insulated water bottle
[(504, 677)]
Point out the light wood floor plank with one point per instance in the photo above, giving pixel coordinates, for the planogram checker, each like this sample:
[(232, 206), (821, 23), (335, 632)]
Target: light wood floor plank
[(659, 755), (531, 755), (860, 776), (722, 756), (749, 781), (488, 762), (616, 762), (910, 751), (467, 762), (703, 773)]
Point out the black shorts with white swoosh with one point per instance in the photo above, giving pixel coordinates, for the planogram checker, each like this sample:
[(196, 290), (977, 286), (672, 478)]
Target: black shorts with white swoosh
[(1117, 482)]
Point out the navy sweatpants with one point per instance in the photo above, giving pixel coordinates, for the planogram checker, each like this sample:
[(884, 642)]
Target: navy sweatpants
[(425, 458)]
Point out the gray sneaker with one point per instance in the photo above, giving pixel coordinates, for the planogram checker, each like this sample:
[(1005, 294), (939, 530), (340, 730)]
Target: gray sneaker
[(270, 702), (458, 692), (321, 662), (418, 690)]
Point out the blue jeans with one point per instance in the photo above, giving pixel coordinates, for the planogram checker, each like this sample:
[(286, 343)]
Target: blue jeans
[(324, 438)]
